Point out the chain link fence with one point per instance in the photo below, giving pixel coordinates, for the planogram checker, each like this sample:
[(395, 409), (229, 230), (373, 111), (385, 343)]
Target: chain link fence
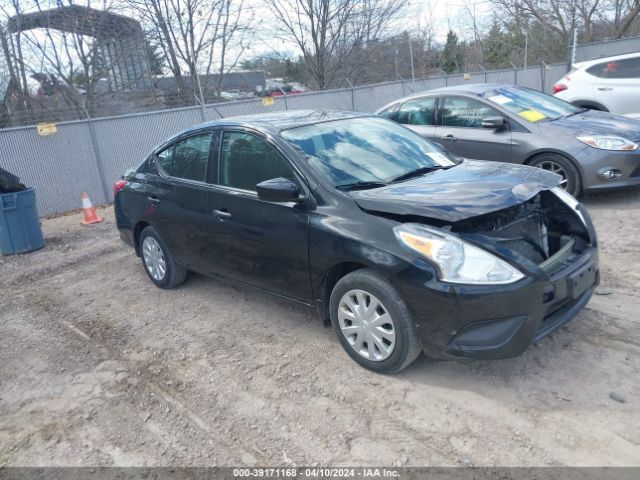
[(90, 155), (593, 51)]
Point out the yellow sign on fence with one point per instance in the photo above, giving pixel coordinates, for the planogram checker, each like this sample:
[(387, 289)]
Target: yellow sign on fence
[(267, 101), (45, 129)]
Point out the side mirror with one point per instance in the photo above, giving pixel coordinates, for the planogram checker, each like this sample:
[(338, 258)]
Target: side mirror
[(493, 122), (278, 190)]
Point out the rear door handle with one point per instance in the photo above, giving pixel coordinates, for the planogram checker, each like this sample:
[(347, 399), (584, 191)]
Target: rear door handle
[(605, 89), (222, 215), (153, 199)]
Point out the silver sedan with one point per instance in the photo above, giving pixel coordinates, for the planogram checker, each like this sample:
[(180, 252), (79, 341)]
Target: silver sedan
[(591, 150)]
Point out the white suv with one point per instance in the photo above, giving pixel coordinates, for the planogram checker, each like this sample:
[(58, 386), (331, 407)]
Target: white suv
[(609, 84)]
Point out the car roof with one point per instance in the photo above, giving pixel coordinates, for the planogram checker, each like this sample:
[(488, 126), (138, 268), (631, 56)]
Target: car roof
[(277, 121), (469, 89)]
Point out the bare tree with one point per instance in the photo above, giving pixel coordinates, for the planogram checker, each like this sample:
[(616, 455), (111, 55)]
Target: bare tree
[(556, 19), (197, 36), (233, 35), (12, 49), (64, 55), (328, 32), (12, 73)]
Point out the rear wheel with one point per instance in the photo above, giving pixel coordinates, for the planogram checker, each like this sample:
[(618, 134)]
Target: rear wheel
[(571, 180), (373, 323), (158, 262)]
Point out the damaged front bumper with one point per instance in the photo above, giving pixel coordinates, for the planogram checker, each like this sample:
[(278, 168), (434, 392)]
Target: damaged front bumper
[(550, 305), (500, 321), (492, 322)]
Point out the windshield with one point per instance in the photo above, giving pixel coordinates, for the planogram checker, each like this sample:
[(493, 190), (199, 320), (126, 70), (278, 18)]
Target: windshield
[(370, 149), (530, 105)]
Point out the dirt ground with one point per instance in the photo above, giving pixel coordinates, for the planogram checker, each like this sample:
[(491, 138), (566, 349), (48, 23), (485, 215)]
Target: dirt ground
[(99, 367)]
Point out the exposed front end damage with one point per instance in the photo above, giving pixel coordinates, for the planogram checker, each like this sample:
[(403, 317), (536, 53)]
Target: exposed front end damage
[(544, 230), (550, 239), (556, 246)]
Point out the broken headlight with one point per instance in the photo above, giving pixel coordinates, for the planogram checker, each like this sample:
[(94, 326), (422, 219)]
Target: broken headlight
[(457, 260)]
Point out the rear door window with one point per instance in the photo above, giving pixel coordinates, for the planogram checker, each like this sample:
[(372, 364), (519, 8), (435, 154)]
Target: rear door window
[(187, 159), (629, 68), (165, 159), (417, 112), (148, 167), (391, 113)]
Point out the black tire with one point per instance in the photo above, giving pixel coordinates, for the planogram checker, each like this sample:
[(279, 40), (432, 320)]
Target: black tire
[(174, 274), (571, 173), (407, 342)]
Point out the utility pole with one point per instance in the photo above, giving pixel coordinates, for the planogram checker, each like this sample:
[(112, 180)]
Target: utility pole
[(575, 46), (396, 60), (413, 72), (202, 112)]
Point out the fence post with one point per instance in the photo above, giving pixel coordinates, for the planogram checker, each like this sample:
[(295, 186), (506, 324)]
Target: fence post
[(353, 100), (286, 102), (201, 100), (402, 83), (485, 73), (543, 72), (96, 152), (515, 73)]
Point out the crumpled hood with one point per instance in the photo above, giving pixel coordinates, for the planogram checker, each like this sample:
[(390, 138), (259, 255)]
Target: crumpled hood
[(467, 190), (593, 122)]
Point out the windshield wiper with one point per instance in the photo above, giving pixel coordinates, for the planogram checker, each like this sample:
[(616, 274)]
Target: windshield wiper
[(577, 112), (415, 173), (363, 185)]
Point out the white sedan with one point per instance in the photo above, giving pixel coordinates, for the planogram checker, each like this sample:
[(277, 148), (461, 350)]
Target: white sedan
[(609, 84)]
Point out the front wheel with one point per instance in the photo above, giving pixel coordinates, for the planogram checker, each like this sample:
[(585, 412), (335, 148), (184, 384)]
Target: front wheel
[(158, 262), (373, 323), (571, 180)]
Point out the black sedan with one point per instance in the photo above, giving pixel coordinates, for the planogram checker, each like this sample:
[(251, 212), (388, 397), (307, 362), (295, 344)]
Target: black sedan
[(402, 246)]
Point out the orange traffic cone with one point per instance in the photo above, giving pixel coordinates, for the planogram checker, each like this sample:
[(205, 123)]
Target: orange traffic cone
[(89, 214)]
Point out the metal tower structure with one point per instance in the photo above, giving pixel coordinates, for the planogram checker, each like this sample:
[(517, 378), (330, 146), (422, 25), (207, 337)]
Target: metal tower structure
[(121, 40)]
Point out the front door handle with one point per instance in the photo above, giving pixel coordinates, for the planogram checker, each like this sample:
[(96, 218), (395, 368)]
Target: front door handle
[(450, 138), (222, 215), (605, 89), (154, 200)]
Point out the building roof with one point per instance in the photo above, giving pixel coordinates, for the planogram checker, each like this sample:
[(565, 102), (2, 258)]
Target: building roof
[(78, 19)]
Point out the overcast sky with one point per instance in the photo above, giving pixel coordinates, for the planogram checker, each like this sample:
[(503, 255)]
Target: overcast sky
[(441, 14)]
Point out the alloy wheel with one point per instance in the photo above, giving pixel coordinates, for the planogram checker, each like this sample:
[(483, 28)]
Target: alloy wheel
[(154, 258), (554, 167), (367, 325)]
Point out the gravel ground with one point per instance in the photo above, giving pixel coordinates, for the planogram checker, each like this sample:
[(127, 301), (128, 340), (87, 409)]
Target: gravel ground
[(99, 367)]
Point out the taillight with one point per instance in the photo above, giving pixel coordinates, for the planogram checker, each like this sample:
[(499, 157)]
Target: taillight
[(558, 87), (119, 185)]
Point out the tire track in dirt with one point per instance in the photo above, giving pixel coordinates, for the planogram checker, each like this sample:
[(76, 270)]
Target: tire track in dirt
[(60, 311)]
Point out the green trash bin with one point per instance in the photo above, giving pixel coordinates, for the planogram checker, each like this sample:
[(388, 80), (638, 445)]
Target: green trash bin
[(19, 225)]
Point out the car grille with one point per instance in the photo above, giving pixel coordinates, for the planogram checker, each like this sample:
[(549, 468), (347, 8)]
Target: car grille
[(636, 172)]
